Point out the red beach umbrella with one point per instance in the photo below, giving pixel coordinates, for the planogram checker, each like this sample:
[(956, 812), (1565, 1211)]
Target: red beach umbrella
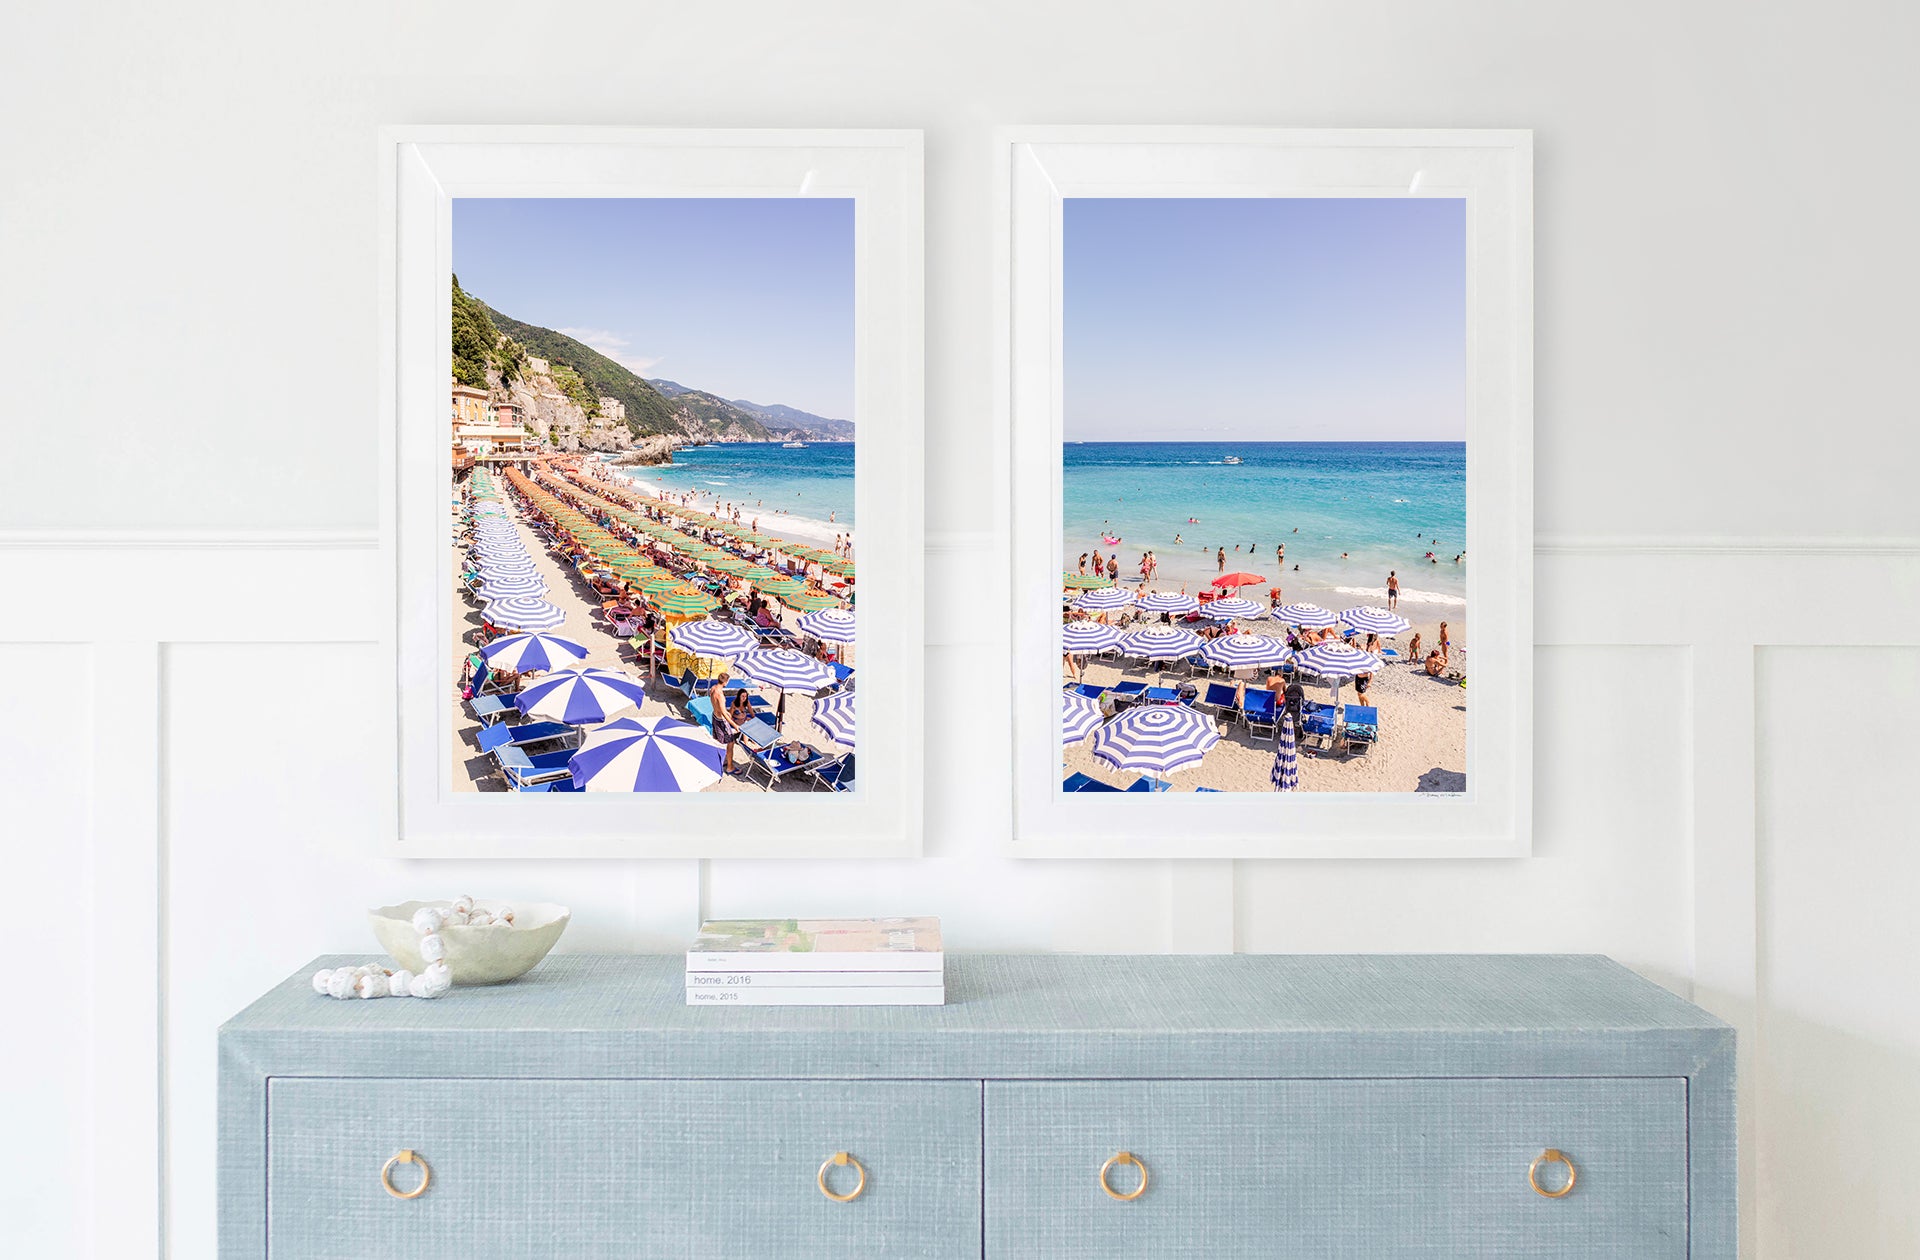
[(1238, 579)]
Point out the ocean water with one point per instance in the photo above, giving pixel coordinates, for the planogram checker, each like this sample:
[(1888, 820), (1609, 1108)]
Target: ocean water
[(1385, 504), (811, 488)]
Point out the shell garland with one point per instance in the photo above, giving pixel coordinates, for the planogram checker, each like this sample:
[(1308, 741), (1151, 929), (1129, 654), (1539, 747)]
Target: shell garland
[(369, 981)]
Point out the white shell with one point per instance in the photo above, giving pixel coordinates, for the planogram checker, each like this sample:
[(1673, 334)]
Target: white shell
[(503, 915), (457, 918), (479, 918), (433, 947), (371, 986), (463, 903), (400, 983), (418, 987), (439, 978), (340, 983), (320, 979), (428, 919)]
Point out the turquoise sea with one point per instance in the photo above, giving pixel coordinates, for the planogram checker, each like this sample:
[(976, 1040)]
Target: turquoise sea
[(814, 484), (1384, 504)]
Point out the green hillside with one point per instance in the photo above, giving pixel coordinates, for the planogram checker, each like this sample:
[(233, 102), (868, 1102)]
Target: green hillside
[(598, 376)]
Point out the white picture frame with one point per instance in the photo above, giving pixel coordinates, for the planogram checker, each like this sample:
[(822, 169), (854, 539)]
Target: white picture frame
[(1038, 168), (424, 170)]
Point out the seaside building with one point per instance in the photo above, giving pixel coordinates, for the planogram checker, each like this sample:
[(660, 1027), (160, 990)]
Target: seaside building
[(469, 404), (612, 410), (485, 430)]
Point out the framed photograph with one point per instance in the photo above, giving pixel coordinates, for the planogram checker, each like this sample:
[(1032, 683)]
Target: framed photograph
[(1268, 398), (651, 492)]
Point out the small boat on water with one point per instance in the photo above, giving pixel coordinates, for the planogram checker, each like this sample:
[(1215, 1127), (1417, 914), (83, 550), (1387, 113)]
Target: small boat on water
[(1233, 459), (793, 446)]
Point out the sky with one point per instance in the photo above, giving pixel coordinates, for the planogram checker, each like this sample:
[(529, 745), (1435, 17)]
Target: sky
[(1265, 319), (745, 297)]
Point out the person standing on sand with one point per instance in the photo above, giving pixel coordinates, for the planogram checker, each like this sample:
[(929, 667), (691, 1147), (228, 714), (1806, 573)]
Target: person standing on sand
[(723, 725), (1113, 568), (1220, 560), (1393, 590), (1413, 648), (1083, 564), (1446, 645)]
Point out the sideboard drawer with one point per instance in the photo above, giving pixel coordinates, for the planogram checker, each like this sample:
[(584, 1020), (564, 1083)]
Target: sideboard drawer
[(1337, 1168), (624, 1169)]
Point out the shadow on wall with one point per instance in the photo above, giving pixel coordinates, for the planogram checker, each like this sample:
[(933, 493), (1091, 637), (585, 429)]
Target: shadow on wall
[(1834, 1104)]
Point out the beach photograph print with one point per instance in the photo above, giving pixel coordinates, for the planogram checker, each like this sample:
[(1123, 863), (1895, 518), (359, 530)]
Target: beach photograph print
[(1264, 495), (651, 496)]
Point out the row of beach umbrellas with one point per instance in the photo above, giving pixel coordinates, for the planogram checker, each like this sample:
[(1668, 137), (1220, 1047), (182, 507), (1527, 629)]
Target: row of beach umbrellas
[(1108, 599)]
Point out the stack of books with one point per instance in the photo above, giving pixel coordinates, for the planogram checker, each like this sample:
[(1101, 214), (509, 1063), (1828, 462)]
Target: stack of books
[(817, 962)]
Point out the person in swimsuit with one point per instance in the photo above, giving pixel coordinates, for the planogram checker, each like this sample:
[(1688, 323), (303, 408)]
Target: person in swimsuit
[(1393, 590), (1113, 567), (1220, 560), (723, 726), (1446, 645), (1083, 564)]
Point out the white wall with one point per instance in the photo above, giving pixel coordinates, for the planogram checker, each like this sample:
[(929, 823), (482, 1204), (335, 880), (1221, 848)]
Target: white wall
[(1725, 441)]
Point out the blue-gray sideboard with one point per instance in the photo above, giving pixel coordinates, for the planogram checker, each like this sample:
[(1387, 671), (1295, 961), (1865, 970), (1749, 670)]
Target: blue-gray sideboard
[(1058, 1106)]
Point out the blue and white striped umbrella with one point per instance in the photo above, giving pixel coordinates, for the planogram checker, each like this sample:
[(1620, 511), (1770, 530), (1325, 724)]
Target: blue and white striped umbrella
[(1079, 637), (785, 668), (497, 536), (1232, 606), (1286, 759), (1160, 643), (830, 625), (1079, 717), (513, 566), (657, 754), (835, 716), (488, 508), (1168, 602), (712, 638), (1245, 651), (1103, 599), (1376, 621), (532, 653), (1156, 739), (580, 696), (508, 585), (1335, 660), (523, 612), (1306, 616), (499, 551)]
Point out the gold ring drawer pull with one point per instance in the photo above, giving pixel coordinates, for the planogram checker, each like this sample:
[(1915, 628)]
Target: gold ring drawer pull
[(842, 1159), (1124, 1157), (405, 1157), (1551, 1156)]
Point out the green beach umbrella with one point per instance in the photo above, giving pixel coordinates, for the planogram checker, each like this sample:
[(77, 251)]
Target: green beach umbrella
[(661, 585), (685, 602), (807, 601)]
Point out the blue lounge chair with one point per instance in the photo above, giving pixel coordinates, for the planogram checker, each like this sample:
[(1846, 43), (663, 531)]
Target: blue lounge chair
[(526, 734), (1085, 783), (497, 708), (1092, 691), (1223, 698), (524, 770), (835, 774), (1360, 728), (1260, 710), (775, 764), (1161, 695), (1316, 722), (1147, 783)]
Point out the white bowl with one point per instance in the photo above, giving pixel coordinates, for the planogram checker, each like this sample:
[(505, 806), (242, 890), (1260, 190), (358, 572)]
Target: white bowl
[(489, 954)]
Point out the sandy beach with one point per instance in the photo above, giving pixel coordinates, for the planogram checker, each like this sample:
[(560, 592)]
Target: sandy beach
[(476, 771), (1422, 745)]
